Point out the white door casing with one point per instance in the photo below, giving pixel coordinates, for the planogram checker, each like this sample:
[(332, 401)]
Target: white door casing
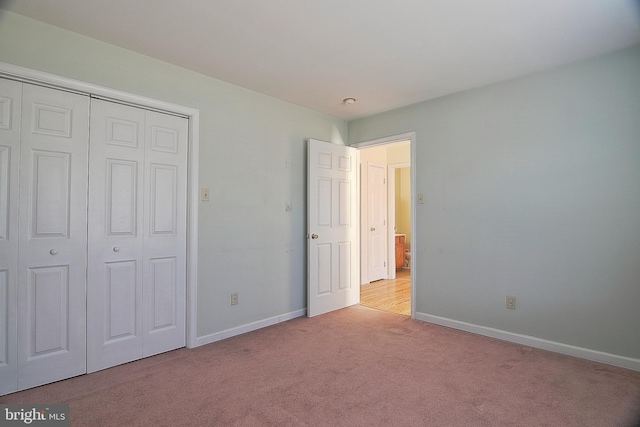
[(53, 236), (137, 242), (333, 234), (377, 222), (10, 124)]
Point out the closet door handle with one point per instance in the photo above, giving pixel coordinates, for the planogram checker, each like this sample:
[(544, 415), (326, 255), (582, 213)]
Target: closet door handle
[(53, 251), (116, 249)]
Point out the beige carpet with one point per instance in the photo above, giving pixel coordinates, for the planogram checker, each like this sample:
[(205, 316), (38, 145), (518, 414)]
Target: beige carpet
[(354, 367)]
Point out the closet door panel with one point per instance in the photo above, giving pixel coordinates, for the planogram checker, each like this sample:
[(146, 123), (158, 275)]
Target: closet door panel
[(8, 367), (10, 121), (48, 305), (53, 236), (164, 292), (114, 298), (50, 198), (137, 234), (120, 302), (5, 187)]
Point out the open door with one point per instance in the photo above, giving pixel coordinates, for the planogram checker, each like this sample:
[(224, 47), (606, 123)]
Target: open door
[(333, 246), (377, 222)]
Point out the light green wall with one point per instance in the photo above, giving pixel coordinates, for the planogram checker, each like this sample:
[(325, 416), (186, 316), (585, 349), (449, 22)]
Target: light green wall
[(252, 158), (532, 189)]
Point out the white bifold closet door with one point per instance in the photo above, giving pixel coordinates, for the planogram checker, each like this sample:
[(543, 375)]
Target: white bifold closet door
[(10, 115), (52, 258), (136, 288), (43, 234), (92, 234)]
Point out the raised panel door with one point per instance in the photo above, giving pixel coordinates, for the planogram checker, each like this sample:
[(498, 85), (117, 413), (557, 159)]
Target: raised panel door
[(137, 234), (114, 294), (10, 121), (333, 256), (164, 258), (53, 236), (377, 222)]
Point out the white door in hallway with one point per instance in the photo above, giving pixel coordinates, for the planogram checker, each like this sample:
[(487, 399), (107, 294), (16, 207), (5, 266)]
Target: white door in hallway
[(377, 222), (10, 119), (333, 255), (137, 234), (53, 236)]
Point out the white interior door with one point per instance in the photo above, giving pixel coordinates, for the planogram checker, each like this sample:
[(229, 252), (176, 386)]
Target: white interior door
[(165, 228), (114, 291), (10, 119), (333, 239), (53, 236), (137, 238), (377, 221), (137, 225)]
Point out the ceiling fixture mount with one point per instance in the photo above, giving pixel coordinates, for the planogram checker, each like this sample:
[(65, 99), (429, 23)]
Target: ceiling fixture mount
[(349, 101)]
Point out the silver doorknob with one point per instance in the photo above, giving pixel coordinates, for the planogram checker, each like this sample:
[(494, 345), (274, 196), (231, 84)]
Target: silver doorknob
[(53, 251), (314, 236), (116, 249), (373, 229)]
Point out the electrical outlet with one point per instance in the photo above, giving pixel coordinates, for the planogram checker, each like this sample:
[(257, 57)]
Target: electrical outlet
[(234, 298), (511, 302)]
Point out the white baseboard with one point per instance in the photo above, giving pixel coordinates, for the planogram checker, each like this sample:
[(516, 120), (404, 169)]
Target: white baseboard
[(238, 330), (583, 353)]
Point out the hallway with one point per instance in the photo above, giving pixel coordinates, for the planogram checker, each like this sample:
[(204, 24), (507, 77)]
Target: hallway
[(391, 295)]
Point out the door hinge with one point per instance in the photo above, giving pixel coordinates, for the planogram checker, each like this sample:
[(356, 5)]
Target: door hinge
[(384, 264)]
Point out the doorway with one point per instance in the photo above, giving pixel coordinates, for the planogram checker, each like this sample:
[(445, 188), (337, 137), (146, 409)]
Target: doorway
[(392, 291)]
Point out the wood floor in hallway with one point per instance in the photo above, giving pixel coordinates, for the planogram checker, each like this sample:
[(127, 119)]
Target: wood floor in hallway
[(392, 295)]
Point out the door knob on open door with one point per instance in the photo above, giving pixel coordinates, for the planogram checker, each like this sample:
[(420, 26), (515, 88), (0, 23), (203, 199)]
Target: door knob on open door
[(373, 229), (314, 236)]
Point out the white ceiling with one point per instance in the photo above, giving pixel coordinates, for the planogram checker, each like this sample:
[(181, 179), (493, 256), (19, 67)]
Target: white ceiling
[(385, 53)]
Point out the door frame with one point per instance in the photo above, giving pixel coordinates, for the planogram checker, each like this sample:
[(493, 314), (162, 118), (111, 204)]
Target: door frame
[(27, 75), (411, 137)]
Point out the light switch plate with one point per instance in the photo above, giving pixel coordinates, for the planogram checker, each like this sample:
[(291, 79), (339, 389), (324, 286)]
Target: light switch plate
[(204, 194)]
